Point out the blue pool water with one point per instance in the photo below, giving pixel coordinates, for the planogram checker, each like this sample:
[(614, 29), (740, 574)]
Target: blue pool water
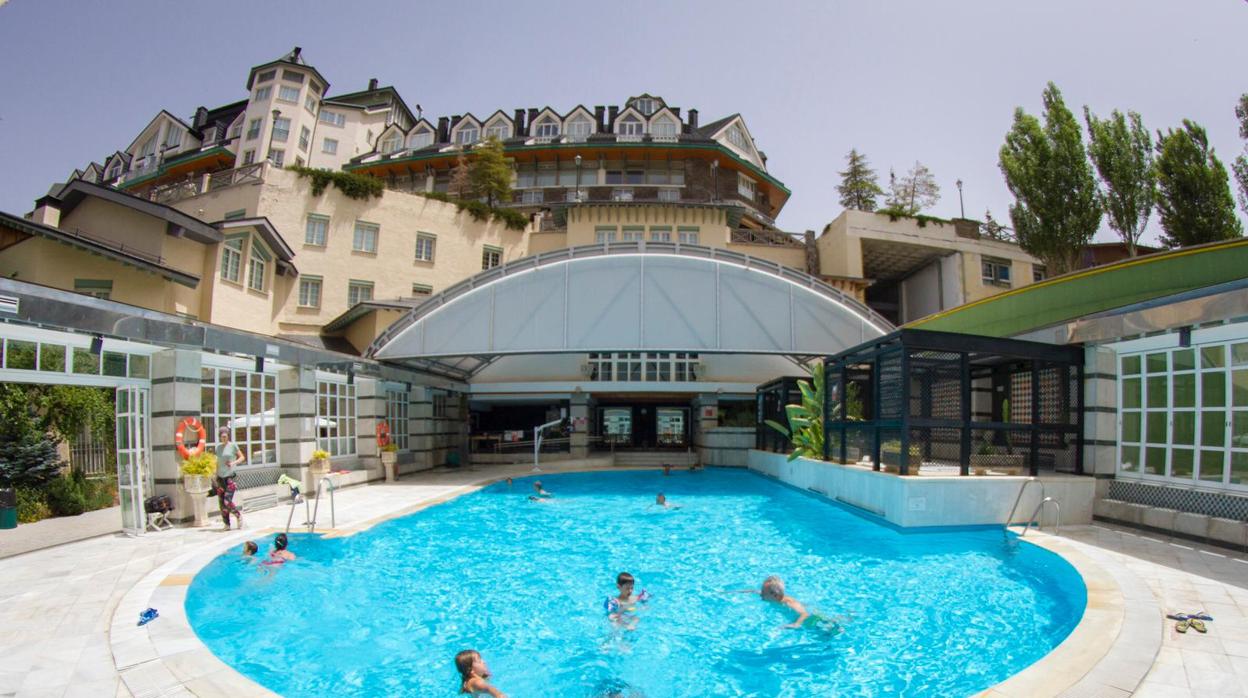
[(383, 613)]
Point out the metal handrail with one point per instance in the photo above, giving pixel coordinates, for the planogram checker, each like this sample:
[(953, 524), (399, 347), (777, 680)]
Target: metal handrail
[(1023, 488), (328, 484), (291, 516), (1057, 523)]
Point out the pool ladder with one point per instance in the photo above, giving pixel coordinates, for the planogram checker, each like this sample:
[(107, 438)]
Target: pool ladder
[(326, 485), (1057, 522)]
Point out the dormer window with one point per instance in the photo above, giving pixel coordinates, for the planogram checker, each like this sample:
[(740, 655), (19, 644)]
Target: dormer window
[(468, 135), (630, 126), (664, 128), (645, 105), (499, 129), (173, 138), (149, 147), (392, 143), (580, 127), (738, 138), (546, 128), (421, 139), (115, 171)]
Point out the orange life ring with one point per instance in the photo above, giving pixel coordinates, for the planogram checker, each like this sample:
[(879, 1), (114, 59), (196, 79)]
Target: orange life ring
[(179, 437), (383, 433)]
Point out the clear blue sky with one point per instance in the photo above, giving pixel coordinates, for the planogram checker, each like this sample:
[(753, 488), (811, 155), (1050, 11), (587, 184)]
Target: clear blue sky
[(900, 81)]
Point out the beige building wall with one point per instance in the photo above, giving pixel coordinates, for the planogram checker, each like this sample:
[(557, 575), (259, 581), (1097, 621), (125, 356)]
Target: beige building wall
[(122, 225)]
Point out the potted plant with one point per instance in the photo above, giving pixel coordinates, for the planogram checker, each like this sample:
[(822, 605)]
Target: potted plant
[(197, 472), (389, 460), (987, 456), (319, 463)]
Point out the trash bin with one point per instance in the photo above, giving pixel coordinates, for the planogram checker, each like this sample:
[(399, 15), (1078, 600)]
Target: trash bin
[(8, 508)]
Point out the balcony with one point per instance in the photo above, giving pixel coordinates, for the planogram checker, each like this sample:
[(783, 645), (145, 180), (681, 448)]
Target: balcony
[(196, 185)]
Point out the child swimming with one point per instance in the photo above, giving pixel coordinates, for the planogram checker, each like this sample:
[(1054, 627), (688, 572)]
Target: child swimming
[(773, 590), (474, 675), (661, 501), (622, 609), (250, 548), (537, 487), (279, 555)]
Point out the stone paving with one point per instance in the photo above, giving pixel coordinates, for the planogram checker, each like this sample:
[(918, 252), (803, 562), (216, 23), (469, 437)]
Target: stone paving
[(57, 605)]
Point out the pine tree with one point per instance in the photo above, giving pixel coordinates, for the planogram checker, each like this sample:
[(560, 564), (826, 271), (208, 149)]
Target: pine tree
[(461, 181), (1194, 193), (1123, 155), (858, 187), (1241, 163), (490, 172), (1046, 169), (913, 192)]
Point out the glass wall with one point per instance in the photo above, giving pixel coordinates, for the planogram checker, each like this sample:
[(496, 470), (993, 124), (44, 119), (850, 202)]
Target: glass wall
[(244, 402), (335, 418), (1183, 414), (396, 416)]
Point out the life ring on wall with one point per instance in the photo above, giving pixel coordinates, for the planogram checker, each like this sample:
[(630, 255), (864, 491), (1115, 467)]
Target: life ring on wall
[(179, 436), (383, 433)]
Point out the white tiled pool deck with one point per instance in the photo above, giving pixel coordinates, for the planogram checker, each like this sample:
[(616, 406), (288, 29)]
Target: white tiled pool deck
[(67, 614)]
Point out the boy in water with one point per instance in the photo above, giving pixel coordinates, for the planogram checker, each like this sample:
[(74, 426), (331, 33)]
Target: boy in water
[(474, 675), (542, 495), (250, 548), (661, 501), (773, 590), (622, 609)]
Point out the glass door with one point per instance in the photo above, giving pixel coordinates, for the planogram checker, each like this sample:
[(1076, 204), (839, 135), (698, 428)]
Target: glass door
[(134, 481)]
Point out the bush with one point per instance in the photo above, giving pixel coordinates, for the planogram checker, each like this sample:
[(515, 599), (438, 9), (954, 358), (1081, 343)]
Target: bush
[(100, 493), (32, 505), (202, 464), (353, 186), (320, 455), (65, 497)]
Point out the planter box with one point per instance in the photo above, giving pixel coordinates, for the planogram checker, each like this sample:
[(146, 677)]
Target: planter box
[(1002, 463), (894, 455)]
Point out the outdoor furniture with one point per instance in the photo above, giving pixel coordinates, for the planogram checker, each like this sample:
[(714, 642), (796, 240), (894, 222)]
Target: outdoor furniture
[(157, 510)]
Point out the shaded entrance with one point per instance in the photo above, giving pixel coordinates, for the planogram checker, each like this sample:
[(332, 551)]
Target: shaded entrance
[(645, 425)]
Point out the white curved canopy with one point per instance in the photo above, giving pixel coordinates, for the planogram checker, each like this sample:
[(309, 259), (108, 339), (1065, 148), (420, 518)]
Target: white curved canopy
[(633, 296)]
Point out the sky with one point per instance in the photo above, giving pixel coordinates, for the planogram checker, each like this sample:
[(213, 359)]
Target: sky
[(932, 81)]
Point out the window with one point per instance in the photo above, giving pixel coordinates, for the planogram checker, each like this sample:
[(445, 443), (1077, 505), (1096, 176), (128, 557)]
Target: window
[(277, 156), (316, 231), (335, 418), (249, 156), (257, 265), (580, 128), (365, 239), (397, 402), (419, 290), (645, 105), (738, 138), (604, 234), (292, 76), (660, 233), (299, 160), (332, 118), (244, 402), (309, 103), (358, 292), (532, 196), (1038, 273), (115, 171), (499, 130), (664, 128), (439, 400), (263, 94), (329, 146), (237, 129), (629, 176), (305, 134), (621, 194), (996, 271), (421, 139), (425, 244), (630, 126), (688, 236), (173, 138), (669, 195), (265, 76), (633, 233), (653, 368), (96, 288), (232, 259), (467, 135), (546, 127), (392, 143), (253, 129), (491, 257), (281, 129), (286, 93), (309, 291), (746, 187)]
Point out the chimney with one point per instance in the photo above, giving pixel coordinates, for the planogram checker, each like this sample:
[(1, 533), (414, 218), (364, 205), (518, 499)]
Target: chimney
[(372, 84), (693, 120), (47, 211), (201, 118), (294, 55), (518, 118), (675, 112), (612, 112), (599, 115), (529, 126), (444, 133)]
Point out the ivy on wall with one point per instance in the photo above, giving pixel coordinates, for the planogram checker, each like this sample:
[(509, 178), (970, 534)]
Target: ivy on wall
[(352, 185)]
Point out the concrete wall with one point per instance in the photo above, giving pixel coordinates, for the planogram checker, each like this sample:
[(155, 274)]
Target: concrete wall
[(728, 446), (930, 501)]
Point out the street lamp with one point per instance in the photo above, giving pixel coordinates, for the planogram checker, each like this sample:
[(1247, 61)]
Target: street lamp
[(960, 206), (578, 179)]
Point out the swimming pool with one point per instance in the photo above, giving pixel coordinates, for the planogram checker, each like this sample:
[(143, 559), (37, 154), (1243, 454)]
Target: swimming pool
[(383, 613)]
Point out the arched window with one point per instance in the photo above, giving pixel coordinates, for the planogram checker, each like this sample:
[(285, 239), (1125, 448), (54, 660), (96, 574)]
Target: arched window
[(645, 105), (580, 127), (420, 139), (468, 134), (546, 127), (664, 127), (630, 125), (499, 129), (392, 143), (738, 138)]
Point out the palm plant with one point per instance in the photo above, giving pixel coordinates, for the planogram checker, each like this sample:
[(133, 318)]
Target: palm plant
[(805, 429)]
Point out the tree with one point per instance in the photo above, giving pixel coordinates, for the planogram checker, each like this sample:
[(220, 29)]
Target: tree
[(1194, 195), (1123, 155), (858, 187), (28, 454), (915, 191), (1241, 163), (1046, 169), (460, 186), (993, 230), (490, 172)]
